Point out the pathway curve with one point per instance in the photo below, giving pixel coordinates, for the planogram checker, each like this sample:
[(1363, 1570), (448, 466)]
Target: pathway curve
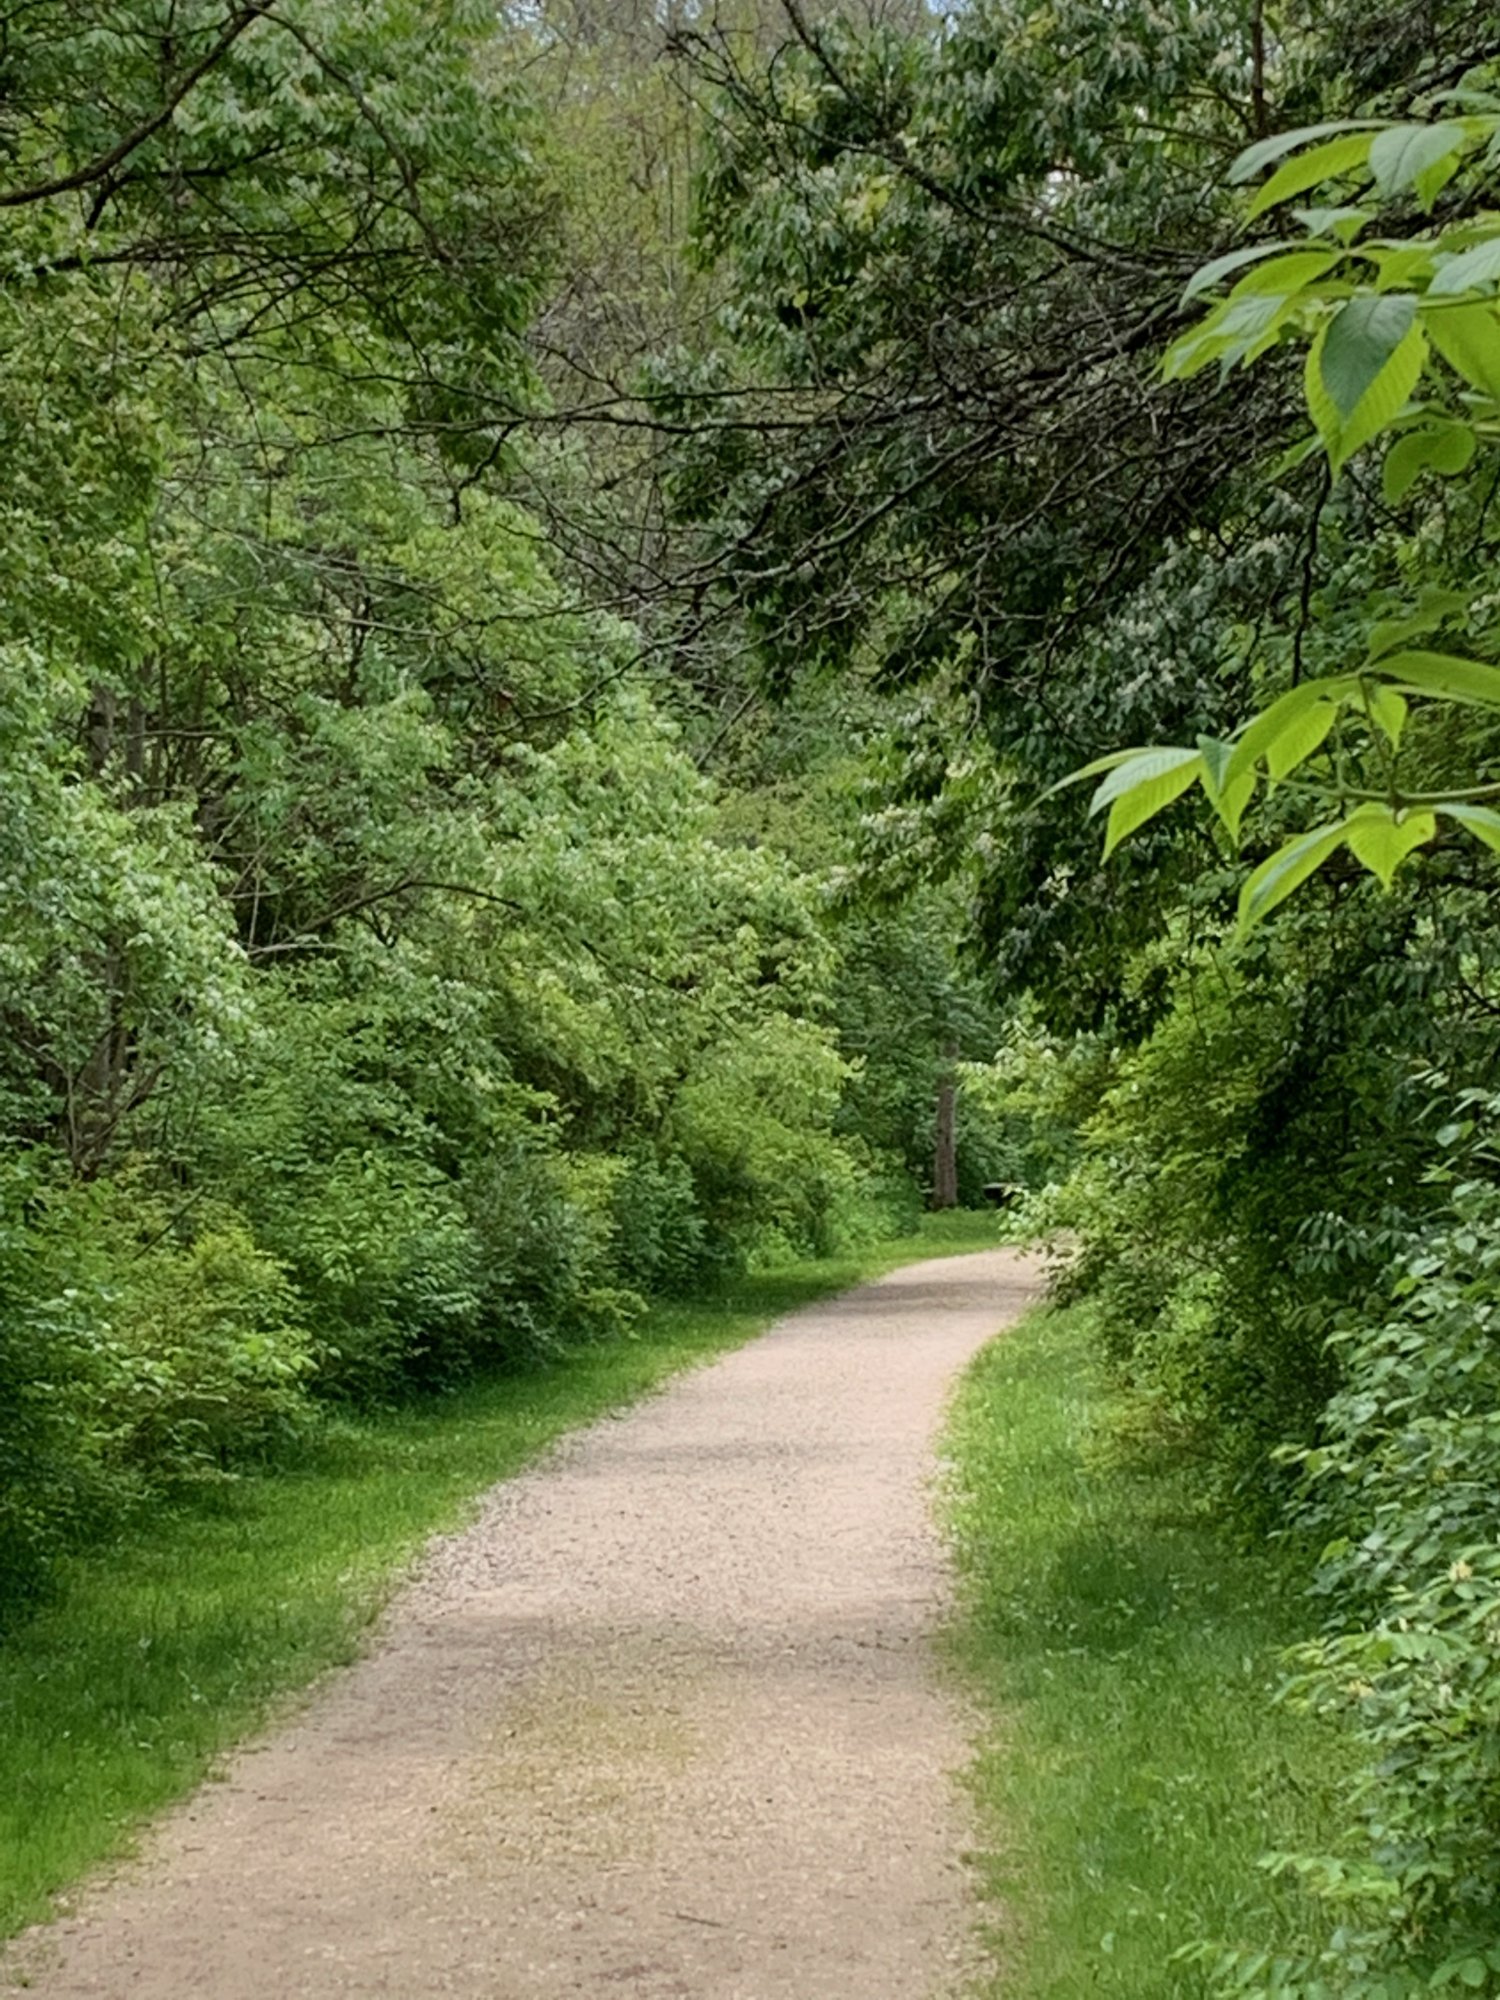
[(663, 1723)]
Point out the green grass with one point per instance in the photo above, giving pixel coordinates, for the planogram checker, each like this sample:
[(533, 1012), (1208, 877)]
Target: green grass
[(1132, 1769), (164, 1649)]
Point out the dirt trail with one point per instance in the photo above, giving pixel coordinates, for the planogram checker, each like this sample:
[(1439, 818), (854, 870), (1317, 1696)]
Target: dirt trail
[(663, 1722)]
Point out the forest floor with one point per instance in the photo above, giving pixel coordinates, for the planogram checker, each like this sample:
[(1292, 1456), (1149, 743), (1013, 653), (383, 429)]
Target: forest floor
[(667, 1720)]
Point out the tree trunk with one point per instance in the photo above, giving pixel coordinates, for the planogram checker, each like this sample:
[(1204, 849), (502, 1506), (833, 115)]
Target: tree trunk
[(945, 1150)]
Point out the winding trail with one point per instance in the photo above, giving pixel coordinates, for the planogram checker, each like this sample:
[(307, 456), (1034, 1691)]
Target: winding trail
[(663, 1723)]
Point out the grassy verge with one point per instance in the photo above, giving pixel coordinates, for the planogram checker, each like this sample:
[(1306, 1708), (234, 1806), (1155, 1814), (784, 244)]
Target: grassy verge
[(1133, 1769), (167, 1647)]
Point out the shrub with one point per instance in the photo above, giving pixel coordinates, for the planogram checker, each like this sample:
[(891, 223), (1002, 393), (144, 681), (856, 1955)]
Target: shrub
[(213, 1362), (1405, 1484)]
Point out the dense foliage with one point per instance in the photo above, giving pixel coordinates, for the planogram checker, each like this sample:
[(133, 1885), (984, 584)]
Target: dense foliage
[(386, 993)]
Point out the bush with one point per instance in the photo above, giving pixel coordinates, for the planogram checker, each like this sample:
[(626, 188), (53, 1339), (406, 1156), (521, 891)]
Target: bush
[(662, 1242), (545, 1227), (213, 1364), (54, 1484), (136, 1351), (1405, 1487)]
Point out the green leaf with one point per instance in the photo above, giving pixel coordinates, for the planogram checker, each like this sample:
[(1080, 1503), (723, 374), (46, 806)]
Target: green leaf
[(1401, 156), (1468, 271), (1189, 353), (1262, 730), (1092, 770), (1445, 449), (1389, 394), (1362, 337), (1238, 328), (1216, 755), (1432, 180), (1234, 800), (1434, 608), (1247, 323), (1295, 455), (1468, 338), (1361, 370), (1388, 711), (1137, 767), (1287, 274), (1324, 163), (1446, 676), (1140, 789), (1380, 839), (1228, 796), (1265, 152), (1286, 870), (1482, 821), (1301, 737), (1208, 275), (1343, 223)]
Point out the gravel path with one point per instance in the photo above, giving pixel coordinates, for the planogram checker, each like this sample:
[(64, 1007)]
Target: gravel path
[(662, 1723)]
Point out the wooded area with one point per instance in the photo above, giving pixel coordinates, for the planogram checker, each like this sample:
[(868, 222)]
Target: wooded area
[(559, 565)]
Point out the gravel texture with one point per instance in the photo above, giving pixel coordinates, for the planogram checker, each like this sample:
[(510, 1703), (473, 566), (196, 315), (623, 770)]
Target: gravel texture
[(664, 1722)]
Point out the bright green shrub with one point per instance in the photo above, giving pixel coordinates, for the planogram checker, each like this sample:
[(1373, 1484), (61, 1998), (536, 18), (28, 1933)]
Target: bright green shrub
[(754, 1124), (385, 1262), (141, 1344), (214, 1366), (545, 1228), (1249, 1170), (54, 1485)]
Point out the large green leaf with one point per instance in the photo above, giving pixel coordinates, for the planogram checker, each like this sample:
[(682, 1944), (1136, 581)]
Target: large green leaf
[(1482, 821), (1388, 711), (1434, 608), (1343, 222), (1362, 338), (1381, 838), (1229, 796), (1303, 735), (1324, 163), (1138, 790), (1092, 769), (1361, 370), (1468, 338), (1261, 731), (1467, 272), (1137, 767), (1285, 870), (1405, 156), (1244, 326), (1208, 275), (1266, 152), (1288, 274), (1443, 448), (1444, 675)]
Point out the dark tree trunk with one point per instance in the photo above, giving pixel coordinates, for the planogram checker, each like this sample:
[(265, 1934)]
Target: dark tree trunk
[(945, 1149)]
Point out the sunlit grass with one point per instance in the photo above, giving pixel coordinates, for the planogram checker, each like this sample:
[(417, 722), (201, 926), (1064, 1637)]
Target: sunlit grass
[(1133, 1768), (167, 1647)]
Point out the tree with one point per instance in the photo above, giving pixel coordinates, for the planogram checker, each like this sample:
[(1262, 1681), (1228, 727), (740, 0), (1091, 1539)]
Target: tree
[(1403, 337)]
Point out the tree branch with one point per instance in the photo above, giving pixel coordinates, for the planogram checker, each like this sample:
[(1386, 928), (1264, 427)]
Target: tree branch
[(100, 169)]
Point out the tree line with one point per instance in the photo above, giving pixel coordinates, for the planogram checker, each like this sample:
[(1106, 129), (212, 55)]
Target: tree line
[(388, 990)]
